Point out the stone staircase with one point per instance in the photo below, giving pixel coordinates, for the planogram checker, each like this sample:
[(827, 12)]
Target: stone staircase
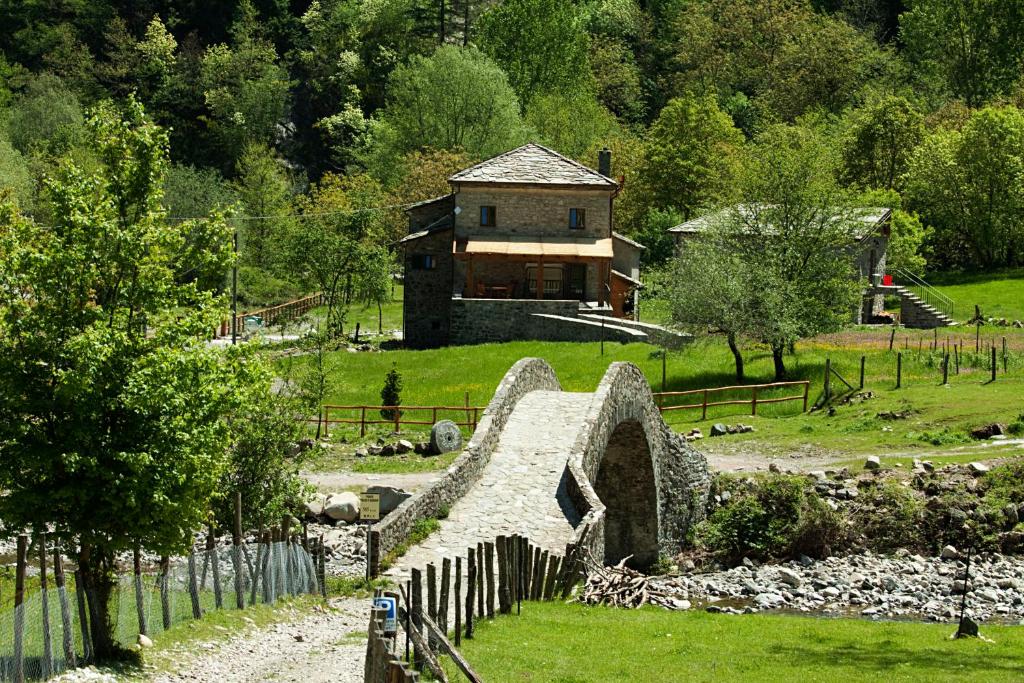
[(918, 314)]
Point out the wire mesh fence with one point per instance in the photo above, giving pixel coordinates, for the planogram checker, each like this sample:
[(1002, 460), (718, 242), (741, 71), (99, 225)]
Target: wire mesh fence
[(48, 632)]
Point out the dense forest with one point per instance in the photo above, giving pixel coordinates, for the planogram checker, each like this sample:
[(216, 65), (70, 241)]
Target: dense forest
[(302, 119)]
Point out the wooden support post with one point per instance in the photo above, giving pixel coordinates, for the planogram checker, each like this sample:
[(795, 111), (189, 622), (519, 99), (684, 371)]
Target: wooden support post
[(47, 662), (470, 590), (977, 337), (65, 610), (528, 570), (807, 393), (892, 337), (140, 607), (165, 596), (442, 605), (956, 357), (945, 370), (753, 401), (432, 591), (993, 362), (704, 406), (554, 563), (489, 563), (863, 359), (458, 601), (899, 370), (503, 593), (1004, 356), (19, 609), (539, 576), (362, 422)]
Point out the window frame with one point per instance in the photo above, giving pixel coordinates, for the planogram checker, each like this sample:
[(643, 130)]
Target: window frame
[(577, 219), (488, 216), (423, 262)]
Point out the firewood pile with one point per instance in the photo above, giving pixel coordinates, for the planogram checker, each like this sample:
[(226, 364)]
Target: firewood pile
[(620, 586)]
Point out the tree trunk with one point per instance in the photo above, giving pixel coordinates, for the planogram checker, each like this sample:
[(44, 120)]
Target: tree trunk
[(780, 365), (731, 337), (97, 572)]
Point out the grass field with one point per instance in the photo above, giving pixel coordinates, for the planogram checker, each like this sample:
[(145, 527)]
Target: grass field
[(937, 417), (560, 643), (1000, 294)]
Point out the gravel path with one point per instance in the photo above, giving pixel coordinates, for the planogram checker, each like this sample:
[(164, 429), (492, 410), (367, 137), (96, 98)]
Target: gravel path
[(325, 646)]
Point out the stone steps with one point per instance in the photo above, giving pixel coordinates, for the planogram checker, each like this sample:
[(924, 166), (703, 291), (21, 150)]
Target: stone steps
[(915, 313)]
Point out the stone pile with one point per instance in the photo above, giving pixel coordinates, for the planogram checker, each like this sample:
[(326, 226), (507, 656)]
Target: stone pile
[(903, 586), (719, 429)]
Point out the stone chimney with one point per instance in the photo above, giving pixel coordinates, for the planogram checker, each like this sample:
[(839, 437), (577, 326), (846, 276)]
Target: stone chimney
[(604, 162)]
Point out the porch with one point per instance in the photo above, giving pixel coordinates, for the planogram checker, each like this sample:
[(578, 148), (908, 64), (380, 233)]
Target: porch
[(533, 268)]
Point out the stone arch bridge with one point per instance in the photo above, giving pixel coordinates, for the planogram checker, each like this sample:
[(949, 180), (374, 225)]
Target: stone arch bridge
[(547, 463)]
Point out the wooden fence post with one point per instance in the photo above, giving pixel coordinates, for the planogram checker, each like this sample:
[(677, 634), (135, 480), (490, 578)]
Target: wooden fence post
[(807, 393), (503, 594), (470, 589), (993, 362), (863, 359), (458, 600), (140, 608), (65, 609), (956, 357), (899, 370), (489, 563), (892, 337), (47, 663), (1004, 356), (432, 592), (480, 581), (19, 610), (416, 603), (753, 401), (977, 337), (442, 604), (828, 379), (945, 370), (165, 597), (236, 552), (704, 407)]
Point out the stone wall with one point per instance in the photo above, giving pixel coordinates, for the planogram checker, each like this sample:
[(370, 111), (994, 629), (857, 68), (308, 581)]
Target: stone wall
[(529, 374), (534, 211), (480, 321), (681, 477), (426, 308)]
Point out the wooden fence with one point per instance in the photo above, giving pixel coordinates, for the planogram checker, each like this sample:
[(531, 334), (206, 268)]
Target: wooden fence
[(398, 416), (273, 315), (754, 400), (499, 576)]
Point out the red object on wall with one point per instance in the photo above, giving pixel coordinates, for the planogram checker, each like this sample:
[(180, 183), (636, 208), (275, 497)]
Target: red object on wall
[(887, 280)]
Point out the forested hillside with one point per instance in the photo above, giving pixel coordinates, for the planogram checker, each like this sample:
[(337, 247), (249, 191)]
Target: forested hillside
[(306, 113)]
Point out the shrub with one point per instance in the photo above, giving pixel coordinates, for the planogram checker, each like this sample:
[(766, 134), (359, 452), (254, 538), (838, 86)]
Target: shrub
[(891, 517), (759, 523), (391, 394)]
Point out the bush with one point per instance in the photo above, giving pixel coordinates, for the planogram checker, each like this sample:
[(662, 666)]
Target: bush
[(391, 394), (892, 517), (759, 523)]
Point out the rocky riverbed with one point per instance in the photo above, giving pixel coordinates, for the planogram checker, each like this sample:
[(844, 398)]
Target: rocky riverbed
[(904, 586)]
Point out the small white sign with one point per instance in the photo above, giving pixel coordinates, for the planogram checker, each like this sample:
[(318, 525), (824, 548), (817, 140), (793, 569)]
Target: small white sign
[(369, 507), (391, 617)]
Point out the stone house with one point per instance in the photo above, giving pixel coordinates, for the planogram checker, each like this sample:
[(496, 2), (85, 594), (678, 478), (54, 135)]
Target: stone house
[(870, 241), (523, 247)]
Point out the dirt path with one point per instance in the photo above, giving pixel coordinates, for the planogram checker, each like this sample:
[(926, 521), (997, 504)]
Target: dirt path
[(321, 647), (340, 481)]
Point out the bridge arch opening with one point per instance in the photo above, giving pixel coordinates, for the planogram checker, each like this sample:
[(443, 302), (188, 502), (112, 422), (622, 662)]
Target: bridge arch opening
[(625, 484)]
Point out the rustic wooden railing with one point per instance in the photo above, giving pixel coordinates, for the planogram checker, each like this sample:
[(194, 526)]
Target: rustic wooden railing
[(753, 401), (399, 415), (272, 315)]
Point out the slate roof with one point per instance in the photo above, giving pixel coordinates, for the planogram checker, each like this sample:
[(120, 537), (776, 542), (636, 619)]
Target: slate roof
[(533, 164), (869, 218)]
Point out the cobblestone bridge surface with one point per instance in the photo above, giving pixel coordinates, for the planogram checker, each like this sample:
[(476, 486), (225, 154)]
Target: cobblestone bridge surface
[(521, 490)]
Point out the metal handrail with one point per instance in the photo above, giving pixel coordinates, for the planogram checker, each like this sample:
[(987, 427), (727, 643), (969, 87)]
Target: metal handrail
[(928, 293)]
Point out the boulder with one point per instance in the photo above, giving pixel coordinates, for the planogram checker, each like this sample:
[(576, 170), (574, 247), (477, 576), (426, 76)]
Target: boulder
[(719, 429), (872, 463), (988, 431), (390, 497), (967, 629), (374, 450), (342, 506), (445, 437), (315, 507), (789, 577), (403, 446), (388, 450), (362, 452), (978, 468), (949, 553), (144, 641)]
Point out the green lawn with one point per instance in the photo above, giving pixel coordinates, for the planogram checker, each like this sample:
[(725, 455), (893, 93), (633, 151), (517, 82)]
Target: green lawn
[(1000, 294), (939, 417), (561, 643)]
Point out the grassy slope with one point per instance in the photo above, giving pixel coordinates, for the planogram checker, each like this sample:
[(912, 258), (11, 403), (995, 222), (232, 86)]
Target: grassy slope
[(569, 643), (1000, 294), (942, 415)]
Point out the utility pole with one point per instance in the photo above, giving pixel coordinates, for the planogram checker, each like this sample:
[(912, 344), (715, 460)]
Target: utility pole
[(234, 291)]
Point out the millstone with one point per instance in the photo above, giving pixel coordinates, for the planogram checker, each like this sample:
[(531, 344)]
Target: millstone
[(445, 436)]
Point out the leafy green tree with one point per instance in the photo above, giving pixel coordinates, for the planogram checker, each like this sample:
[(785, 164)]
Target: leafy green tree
[(617, 79), (111, 402), (571, 124), (455, 99), (689, 156), (14, 175), (973, 48), (264, 191), (792, 233), (879, 141), (391, 394), (966, 184), (246, 93), (540, 44), (373, 282), (47, 118), (653, 233)]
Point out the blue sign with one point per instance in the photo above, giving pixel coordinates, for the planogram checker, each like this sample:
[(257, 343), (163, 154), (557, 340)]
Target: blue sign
[(391, 615)]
